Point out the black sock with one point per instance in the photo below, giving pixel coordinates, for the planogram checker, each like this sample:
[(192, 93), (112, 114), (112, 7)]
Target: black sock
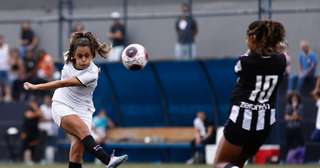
[(90, 144), (74, 165), (229, 165)]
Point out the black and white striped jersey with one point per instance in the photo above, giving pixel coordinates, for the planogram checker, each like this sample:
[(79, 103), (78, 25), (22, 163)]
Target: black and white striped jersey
[(254, 96)]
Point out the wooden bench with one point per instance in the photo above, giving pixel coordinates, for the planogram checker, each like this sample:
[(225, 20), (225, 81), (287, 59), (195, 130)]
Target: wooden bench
[(147, 135), (174, 144)]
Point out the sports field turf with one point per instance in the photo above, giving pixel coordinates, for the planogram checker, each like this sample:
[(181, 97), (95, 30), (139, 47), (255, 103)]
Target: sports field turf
[(152, 166)]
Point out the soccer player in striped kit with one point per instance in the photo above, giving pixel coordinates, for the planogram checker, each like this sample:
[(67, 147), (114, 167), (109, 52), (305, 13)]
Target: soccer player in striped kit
[(72, 105), (252, 110)]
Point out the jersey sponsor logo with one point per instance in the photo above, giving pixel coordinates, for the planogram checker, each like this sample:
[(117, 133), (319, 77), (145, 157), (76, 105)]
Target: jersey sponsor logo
[(255, 107)]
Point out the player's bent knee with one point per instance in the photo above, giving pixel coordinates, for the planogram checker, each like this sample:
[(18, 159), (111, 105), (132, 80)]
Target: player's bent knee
[(82, 133)]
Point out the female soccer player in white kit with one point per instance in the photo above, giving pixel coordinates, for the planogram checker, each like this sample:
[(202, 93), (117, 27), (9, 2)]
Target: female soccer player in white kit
[(72, 106)]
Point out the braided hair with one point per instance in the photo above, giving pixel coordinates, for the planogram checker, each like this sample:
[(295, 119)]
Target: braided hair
[(267, 36), (86, 39)]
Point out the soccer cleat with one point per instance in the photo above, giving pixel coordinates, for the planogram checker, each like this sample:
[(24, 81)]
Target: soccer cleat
[(115, 161)]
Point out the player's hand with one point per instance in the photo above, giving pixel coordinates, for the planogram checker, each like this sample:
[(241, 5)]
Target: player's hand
[(29, 86)]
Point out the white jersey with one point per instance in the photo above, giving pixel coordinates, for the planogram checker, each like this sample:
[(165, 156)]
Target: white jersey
[(199, 125), (318, 116), (78, 96)]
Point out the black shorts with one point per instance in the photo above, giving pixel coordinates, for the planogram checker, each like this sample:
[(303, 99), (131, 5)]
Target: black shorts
[(250, 141)]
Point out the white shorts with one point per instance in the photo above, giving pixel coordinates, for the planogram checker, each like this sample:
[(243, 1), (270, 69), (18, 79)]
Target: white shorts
[(60, 110)]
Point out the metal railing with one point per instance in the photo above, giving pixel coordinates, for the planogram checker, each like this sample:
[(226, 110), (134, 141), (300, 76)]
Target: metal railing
[(65, 14)]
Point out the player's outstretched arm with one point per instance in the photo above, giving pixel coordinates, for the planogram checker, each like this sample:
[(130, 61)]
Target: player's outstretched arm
[(53, 84)]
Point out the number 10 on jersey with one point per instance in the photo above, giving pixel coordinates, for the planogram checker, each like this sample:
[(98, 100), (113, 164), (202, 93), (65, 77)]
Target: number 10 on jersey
[(264, 88)]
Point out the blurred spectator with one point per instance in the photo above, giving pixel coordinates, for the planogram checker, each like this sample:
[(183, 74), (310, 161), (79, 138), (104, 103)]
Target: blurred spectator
[(78, 27), (294, 134), (45, 68), (30, 64), (307, 62), (5, 94), (117, 36), (100, 124), (30, 132), (316, 133), (49, 131), (204, 134), (18, 92), (187, 30), (283, 47), (28, 39), (15, 63)]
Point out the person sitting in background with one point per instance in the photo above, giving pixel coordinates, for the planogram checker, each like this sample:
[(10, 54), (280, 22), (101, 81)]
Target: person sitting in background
[(49, 131), (283, 47), (101, 122), (45, 66), (5, 94), (294, 134), (30, 132), (18, 93), (15, 63), (203, 135), (307, 62), (117, 36), (16, 67), (28, 39)]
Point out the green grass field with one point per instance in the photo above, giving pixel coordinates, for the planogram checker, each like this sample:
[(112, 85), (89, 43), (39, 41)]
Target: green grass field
[(152, 166)]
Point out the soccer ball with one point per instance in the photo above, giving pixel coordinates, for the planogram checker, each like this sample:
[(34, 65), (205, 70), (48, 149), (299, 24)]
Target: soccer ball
[(134, 57)]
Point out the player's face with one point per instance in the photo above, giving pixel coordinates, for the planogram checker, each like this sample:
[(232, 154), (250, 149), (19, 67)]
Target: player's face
[(83, 57)]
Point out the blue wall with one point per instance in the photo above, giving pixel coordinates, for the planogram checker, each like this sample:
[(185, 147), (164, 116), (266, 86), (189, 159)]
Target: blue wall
[(166, 93)]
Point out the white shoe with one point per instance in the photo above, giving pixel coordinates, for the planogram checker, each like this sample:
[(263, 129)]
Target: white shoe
[(190, 161), (115, 161)]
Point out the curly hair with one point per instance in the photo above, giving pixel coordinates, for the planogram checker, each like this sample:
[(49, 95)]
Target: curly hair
[(267, 36), (86, 39)]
